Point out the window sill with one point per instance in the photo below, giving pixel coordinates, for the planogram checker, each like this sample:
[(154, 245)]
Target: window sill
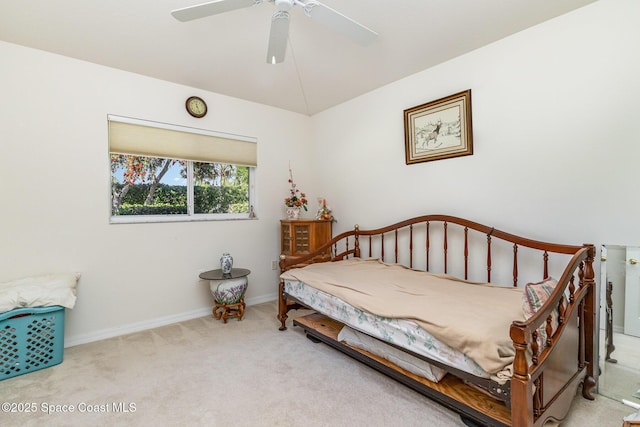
[(144, 219)]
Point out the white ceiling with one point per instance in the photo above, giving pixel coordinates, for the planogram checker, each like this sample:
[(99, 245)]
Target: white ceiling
[(227, 53)]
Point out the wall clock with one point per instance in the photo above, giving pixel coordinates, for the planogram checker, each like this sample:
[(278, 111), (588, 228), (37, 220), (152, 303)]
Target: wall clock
[(196, 106)]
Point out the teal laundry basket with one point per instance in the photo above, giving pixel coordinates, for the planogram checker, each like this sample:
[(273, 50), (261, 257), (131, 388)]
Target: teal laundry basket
[(31, 338)]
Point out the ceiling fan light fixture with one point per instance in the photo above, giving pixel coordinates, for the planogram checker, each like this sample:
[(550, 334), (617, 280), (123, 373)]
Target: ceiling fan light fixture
[(284, 5), (278, 36)]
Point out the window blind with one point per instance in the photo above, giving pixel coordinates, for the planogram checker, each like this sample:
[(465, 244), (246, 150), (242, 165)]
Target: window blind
[(145, 138)]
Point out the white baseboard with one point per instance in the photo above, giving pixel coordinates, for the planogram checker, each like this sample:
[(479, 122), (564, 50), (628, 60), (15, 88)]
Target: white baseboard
[(152, 323)]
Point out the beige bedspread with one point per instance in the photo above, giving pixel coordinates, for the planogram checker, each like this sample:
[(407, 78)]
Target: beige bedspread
[(470, 317)]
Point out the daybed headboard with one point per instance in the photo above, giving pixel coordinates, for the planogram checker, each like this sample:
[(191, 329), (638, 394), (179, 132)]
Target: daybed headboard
[(450, 245)]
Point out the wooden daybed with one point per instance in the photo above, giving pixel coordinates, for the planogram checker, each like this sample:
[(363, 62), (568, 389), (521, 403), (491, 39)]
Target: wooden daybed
[(552, 351)]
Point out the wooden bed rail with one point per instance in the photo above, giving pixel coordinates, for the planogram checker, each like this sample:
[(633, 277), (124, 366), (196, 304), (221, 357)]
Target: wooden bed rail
[(349, 244)]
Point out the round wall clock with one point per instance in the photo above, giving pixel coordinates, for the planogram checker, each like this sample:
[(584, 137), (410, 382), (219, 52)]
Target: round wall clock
[(196, 106)]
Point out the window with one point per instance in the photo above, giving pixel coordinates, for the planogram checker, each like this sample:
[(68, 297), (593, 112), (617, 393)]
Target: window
[(163, 172)]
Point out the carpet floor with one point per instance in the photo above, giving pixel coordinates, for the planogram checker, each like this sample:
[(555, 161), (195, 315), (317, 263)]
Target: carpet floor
[(203, 372)]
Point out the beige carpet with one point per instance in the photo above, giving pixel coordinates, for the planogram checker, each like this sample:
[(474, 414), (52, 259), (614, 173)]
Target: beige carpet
[(205, 373)]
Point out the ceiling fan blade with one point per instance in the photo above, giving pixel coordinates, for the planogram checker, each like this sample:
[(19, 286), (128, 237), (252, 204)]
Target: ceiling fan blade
[(278, 37), (336, 21), (210, 8)]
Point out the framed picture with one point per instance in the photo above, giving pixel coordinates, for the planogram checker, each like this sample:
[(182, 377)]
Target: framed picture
[(439, 129)]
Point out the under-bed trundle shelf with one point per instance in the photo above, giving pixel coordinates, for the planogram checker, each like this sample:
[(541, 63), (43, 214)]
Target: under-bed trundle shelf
[(450, 391)]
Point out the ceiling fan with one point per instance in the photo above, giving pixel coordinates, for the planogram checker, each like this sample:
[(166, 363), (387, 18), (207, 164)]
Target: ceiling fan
[(317, 11)]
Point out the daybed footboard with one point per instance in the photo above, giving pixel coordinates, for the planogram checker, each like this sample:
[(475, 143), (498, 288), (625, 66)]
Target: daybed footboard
[(554, 349)]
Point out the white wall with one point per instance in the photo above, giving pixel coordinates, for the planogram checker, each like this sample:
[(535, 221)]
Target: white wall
[(556, 139), (556, 127), (55, 186)]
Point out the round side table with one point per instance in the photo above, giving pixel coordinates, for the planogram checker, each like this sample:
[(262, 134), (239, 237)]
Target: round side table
[(227, 291)]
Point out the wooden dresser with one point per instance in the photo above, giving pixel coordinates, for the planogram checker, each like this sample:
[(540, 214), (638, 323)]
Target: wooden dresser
[(301, 236)]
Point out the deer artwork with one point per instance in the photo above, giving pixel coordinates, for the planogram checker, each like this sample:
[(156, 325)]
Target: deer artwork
[(433, 135)]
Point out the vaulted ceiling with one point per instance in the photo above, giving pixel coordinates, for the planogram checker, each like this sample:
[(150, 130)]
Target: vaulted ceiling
[(226, 53)]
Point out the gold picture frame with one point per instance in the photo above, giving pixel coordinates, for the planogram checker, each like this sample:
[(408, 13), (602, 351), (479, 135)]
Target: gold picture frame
[(439, 129)]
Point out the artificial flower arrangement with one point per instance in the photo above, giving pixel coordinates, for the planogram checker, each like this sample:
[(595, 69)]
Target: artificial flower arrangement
[(297, 199)]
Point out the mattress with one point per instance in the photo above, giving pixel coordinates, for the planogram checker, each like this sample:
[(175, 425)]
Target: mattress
[(404, 333), (400, 358)]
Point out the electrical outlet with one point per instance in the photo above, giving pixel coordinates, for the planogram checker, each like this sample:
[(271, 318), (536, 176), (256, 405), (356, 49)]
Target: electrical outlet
[(274, 265)]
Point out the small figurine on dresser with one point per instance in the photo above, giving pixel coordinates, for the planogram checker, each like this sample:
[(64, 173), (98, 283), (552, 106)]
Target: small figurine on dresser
[(324, 212)]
